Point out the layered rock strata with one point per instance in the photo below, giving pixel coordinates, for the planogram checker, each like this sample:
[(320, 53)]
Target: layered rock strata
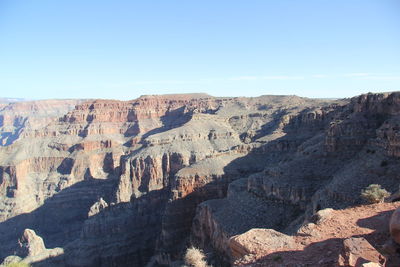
[(328, 165), (116, 183)]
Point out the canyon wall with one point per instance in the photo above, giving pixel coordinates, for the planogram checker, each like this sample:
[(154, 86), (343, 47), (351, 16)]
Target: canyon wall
[(353, 146), (121, 183)]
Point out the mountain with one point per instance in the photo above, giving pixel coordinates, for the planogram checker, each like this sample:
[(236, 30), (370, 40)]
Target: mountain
[(130, 183)]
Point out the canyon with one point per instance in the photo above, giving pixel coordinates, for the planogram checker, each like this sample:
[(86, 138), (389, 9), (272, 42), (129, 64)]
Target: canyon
[(134, 183)]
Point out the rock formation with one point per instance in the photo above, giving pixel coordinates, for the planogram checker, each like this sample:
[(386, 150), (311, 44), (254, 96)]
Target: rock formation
[(358, 251), (260, 241), (121, 183), (32, 250), (30, 244)]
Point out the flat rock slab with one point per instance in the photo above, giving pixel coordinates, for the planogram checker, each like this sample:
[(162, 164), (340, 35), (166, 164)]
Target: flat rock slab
[(260, 241)]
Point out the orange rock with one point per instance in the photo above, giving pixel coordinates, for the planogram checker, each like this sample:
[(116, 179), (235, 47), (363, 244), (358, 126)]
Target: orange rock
[(357, 252)]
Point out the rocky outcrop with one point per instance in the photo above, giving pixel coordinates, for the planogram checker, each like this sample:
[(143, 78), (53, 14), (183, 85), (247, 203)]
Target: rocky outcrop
[(97, 207), (218, 221), (143, 174), (30, 244), (260, 241), (361, 121), (120, 234), (358, 251), (32, 250)]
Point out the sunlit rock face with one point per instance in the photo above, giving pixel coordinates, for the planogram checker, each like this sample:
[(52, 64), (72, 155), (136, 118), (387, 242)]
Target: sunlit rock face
[(116, 183)]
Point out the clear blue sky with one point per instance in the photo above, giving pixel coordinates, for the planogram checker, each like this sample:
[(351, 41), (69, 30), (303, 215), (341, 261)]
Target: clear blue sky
[(123, 49)]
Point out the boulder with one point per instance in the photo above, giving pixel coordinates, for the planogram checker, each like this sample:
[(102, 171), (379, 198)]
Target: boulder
[(322, 215), (357, 251), (260, 241)]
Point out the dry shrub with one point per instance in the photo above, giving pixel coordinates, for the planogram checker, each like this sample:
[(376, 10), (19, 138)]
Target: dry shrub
[(374, 193), (195, 257)]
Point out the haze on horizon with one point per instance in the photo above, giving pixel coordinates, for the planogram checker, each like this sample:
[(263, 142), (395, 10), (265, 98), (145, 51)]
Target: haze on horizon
[(124, 49)]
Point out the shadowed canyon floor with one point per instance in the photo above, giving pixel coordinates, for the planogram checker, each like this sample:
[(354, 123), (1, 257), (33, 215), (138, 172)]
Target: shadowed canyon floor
[(130, 183)]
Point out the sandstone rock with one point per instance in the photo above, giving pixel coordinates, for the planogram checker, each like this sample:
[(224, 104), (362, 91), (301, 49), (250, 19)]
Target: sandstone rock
[(33, 250), (371, 264), (97, 207), (10, 259), (357, 251), (31, 244), (308, 229), (48, 255), (322, 215), (261, 242)]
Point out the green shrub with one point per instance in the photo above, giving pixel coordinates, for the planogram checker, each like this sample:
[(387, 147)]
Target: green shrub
[(374, 193), (277, 258)]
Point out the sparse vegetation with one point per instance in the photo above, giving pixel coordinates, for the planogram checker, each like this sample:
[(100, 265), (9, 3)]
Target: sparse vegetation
[(277, 258), (195, 257), (374, 193), (18, 264)]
